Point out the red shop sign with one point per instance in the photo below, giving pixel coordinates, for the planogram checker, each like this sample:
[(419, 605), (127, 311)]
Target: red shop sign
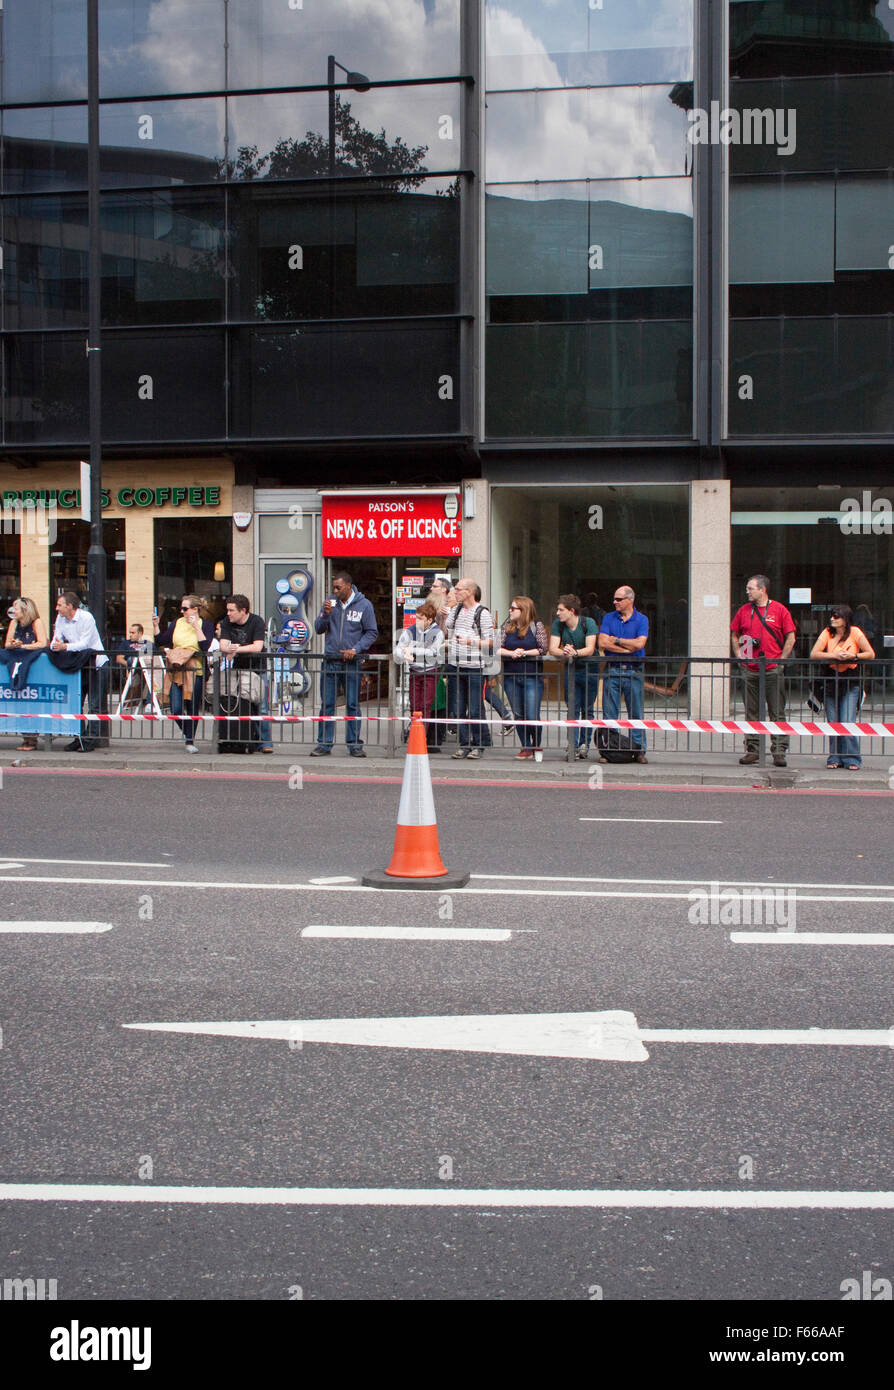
[(392, 523)]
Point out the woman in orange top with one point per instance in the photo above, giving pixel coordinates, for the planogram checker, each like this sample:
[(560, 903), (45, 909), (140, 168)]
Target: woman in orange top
[(842, 645)]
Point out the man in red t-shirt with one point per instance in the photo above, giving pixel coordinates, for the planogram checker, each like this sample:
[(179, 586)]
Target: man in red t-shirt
[(763, 626)]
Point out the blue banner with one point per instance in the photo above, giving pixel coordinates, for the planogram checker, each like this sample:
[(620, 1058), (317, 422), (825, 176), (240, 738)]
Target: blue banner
[(49, 691)]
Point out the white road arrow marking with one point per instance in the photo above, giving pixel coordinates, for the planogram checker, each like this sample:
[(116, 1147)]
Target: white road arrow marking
[(66, 928), (610, 1037), (409, 933), (4, 867), (613, 1036)]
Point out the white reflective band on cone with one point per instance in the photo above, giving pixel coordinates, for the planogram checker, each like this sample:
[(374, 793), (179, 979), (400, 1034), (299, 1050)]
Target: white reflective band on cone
[(417, 802)]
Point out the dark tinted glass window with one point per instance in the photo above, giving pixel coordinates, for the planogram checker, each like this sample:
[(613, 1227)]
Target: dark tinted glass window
[(820, 125), (44, 50), (379, 380), (367, 253), (767, 38), (154, 46), (401, 131), (164, 257), (162, 142), (44, 149), (46, 389), (549, 239), (45, 262), (811, 376), (574, 380), (274, 43), (186, 551), (163, 386)]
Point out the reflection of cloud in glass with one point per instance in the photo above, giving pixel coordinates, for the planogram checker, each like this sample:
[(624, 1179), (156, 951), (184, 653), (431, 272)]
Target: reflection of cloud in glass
[(553, 26), (179, 43), (600, 133)]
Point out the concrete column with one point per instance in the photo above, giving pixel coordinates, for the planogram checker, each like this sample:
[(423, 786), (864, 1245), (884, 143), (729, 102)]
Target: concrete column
[(35, 569), (710, 545), (476, 537), (244, 546), (139, 558)]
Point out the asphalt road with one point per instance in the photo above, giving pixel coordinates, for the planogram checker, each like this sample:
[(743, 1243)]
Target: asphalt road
[(207, 886)]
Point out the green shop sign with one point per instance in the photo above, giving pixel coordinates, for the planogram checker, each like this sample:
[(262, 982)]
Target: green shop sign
[(69, 498)]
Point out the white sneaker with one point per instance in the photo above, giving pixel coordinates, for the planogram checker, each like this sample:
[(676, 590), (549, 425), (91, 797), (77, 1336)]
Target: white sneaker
[(538, 755), (191, 748)]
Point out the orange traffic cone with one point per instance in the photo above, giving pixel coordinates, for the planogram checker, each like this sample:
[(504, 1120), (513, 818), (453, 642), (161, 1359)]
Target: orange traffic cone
[(416, 861)]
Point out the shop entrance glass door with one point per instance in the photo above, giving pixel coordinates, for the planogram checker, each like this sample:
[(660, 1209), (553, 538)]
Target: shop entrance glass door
[(69, 571)]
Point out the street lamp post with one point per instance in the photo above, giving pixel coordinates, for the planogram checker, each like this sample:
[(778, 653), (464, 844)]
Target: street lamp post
[(357, 81), (96, 555)]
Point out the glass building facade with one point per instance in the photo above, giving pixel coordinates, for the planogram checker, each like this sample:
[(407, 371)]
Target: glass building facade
[(582, 253), (264, 164)]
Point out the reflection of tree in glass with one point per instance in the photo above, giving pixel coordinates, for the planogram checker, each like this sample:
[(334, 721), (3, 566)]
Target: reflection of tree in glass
[(357, 151)]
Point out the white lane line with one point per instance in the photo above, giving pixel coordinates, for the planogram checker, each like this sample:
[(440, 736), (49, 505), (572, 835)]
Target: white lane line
[(484, 1197), (218, 885), (67, 928), (338, 878), (814, 938), (607, 1036), (408, 933), (4, 867), (679, 882), (100, 863), (775, 1037), (648, 820)]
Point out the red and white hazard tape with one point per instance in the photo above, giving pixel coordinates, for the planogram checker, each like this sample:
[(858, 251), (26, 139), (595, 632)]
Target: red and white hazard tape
[(813, 729)]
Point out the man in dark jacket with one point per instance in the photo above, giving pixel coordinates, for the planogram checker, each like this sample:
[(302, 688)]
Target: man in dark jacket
[(350, 626)]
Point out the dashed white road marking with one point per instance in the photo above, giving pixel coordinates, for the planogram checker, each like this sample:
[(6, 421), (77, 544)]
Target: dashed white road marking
[(775, 1037), (337, 878), (813, 938), (99, 863), (66, 928), (486, 1198), (407, 933)]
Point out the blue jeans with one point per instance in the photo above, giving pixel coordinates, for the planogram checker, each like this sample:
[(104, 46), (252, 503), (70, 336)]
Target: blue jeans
[(264, 725), (451, 683), (470, 705), (629, 683), (525, 694), (338, 675), (192, 706), (581, 697), (841, 698), (494, 700)]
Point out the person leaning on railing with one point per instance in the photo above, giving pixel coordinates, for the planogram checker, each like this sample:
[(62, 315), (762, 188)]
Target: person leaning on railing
[(26, 632), (189, 633), (842, 646), (523, 645)]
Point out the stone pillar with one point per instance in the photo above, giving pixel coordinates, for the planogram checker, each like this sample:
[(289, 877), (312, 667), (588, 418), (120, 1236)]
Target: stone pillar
[(709, 588), (139, 558), (476, 536), (35, 571), (243, 581)]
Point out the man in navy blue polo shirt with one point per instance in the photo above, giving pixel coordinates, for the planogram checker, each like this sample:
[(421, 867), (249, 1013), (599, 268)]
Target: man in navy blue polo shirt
[(622, 642)]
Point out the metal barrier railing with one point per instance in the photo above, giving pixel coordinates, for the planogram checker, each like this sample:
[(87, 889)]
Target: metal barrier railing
[(291, 690)]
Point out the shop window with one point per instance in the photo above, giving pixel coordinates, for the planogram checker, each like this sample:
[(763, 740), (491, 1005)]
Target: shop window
[(193, 555), (10, 572), (68, 570), (544, 543)]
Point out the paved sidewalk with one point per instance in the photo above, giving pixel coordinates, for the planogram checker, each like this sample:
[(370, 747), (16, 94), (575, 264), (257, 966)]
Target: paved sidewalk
[(805, 771)]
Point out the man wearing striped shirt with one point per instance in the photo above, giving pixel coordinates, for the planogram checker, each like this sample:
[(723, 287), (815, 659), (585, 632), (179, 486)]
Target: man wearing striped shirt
[(470, 638)]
